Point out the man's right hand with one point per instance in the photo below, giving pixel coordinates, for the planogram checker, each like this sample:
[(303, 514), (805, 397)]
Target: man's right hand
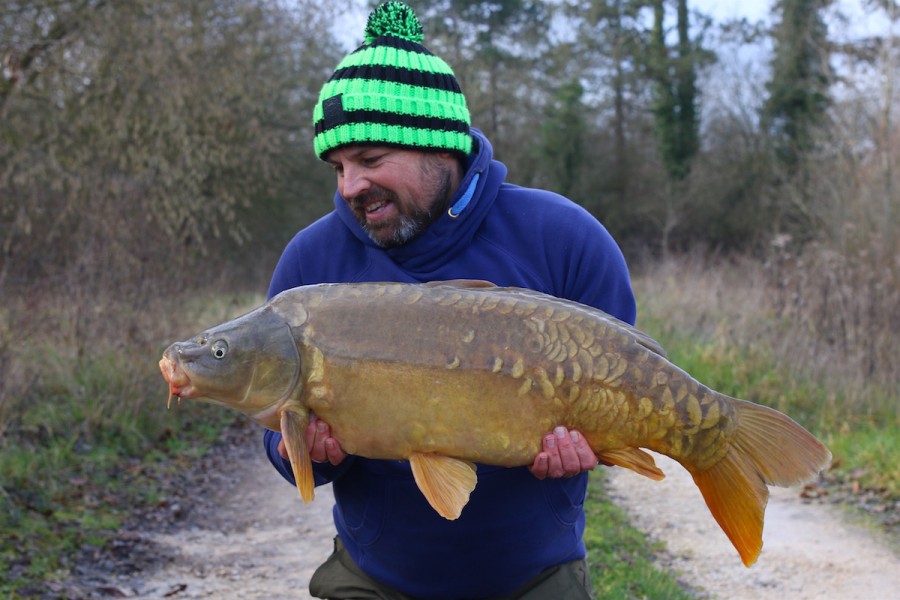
[(322, 447)]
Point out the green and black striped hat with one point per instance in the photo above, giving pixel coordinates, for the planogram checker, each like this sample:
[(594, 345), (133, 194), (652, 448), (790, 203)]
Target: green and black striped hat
[(392, 91)]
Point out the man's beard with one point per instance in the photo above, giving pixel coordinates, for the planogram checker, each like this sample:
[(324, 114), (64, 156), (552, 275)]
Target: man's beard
[(411, 224), (395, 233)]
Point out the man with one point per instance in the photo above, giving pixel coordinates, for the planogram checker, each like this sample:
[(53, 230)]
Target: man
[(420, 198)]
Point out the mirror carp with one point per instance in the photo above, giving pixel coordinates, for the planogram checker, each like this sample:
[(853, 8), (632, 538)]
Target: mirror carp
[(448, 374)]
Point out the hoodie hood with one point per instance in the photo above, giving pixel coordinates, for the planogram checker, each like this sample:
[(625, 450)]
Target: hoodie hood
[(449, 235)]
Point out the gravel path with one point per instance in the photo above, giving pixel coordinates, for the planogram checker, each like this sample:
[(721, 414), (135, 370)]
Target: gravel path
[(809, 550), (246, 534), (260, 541)]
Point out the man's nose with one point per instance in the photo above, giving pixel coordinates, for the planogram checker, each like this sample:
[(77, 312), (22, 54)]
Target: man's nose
[(353, 182)]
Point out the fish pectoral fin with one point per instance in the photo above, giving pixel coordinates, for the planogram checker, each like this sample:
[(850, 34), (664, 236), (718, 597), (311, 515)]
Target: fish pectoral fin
[(445, 482), (293, 430), (632, 458), (461, 283)]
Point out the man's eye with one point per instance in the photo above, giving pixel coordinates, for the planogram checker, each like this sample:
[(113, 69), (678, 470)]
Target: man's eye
[(371, 161)]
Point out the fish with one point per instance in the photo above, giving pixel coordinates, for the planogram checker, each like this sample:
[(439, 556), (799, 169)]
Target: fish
[(447, 374)]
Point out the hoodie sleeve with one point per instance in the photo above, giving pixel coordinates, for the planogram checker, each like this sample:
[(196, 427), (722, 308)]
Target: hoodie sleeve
[(323, 473)]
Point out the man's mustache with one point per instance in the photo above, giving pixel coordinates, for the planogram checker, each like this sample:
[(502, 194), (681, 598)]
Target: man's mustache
[(372, 195)]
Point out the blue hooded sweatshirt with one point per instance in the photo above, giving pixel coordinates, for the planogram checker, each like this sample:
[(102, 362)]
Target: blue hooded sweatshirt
[(514, 526)]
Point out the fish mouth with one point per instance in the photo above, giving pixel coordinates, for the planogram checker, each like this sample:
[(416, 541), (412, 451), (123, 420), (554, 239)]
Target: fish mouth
[(178, 380)]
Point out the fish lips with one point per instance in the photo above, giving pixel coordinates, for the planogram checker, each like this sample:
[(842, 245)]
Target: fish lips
[(177, 378)]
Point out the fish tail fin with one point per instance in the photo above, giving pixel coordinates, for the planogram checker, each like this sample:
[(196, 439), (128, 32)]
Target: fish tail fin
[(293, 429), (766, 448)]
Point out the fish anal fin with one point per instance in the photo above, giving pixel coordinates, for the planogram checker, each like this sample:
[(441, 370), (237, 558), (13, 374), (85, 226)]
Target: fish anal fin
[(293, 430), (634, 459), (444, 481)]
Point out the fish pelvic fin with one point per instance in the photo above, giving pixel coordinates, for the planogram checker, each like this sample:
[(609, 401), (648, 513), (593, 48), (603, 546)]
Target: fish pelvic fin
[(293, 429), (634, 459), (444, 481), (766, 448)]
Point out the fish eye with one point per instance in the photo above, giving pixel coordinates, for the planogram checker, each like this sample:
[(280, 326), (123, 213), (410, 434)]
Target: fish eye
[(219, 349)]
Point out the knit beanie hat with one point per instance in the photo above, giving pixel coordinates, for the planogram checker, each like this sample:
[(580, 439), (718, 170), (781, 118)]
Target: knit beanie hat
[(392, 91)]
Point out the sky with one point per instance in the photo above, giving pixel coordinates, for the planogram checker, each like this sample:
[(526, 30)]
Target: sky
[(858, 23), (730, 9), (740, 69)]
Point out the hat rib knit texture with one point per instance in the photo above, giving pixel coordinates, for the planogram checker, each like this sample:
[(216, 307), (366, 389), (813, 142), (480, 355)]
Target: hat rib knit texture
[(392, 91)]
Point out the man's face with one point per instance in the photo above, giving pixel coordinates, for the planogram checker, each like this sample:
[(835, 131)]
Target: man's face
[(394, 193)]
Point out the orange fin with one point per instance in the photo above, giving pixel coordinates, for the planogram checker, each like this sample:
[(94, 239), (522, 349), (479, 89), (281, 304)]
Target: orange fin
[(293, 429), (632, 458), (446, 482), (767, 447)]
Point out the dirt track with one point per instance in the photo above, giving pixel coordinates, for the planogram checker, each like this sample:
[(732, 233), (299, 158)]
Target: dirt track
[(247, 535), (809, 551)]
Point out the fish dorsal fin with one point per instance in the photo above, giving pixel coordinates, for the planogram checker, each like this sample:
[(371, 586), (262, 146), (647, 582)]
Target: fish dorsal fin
[(293, 429), (634, 459), (461, 283), (446, 482)]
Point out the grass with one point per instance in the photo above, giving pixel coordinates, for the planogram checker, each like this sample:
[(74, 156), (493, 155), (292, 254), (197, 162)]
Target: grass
[(723, 329), (622, 559), (88, 439), (870, 453), (65, 493), (84, 436)]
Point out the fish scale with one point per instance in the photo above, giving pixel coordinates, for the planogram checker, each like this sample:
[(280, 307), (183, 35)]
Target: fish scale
[(452, 373)]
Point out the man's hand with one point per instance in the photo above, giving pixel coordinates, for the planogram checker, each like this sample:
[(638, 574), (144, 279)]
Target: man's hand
[(565, 454), (322, 447)]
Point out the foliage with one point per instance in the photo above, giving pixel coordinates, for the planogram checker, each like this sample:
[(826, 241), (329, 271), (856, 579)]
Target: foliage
[(495, 50), (65, 493), (675, 103), (154, 155), (723, 323), (131, 129), (868, 454), (562, 141), (798, 89), (84, 444)]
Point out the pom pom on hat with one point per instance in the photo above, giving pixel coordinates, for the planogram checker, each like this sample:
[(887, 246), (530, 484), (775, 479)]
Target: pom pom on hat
[(392, 91), (394, 18)]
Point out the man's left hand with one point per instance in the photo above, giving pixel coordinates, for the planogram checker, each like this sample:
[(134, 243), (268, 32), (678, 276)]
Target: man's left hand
[(565, 454)]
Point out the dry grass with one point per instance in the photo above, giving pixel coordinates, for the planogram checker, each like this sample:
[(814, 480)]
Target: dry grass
[(83, 354), (827, 318)]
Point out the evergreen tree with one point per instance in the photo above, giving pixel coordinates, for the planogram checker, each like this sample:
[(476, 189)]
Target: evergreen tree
[(562, 140), (798, 90), (674, 73), (493, 47), (609, 45)]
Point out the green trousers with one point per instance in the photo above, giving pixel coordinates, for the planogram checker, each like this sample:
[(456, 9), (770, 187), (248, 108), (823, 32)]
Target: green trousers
[(338, 578)]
